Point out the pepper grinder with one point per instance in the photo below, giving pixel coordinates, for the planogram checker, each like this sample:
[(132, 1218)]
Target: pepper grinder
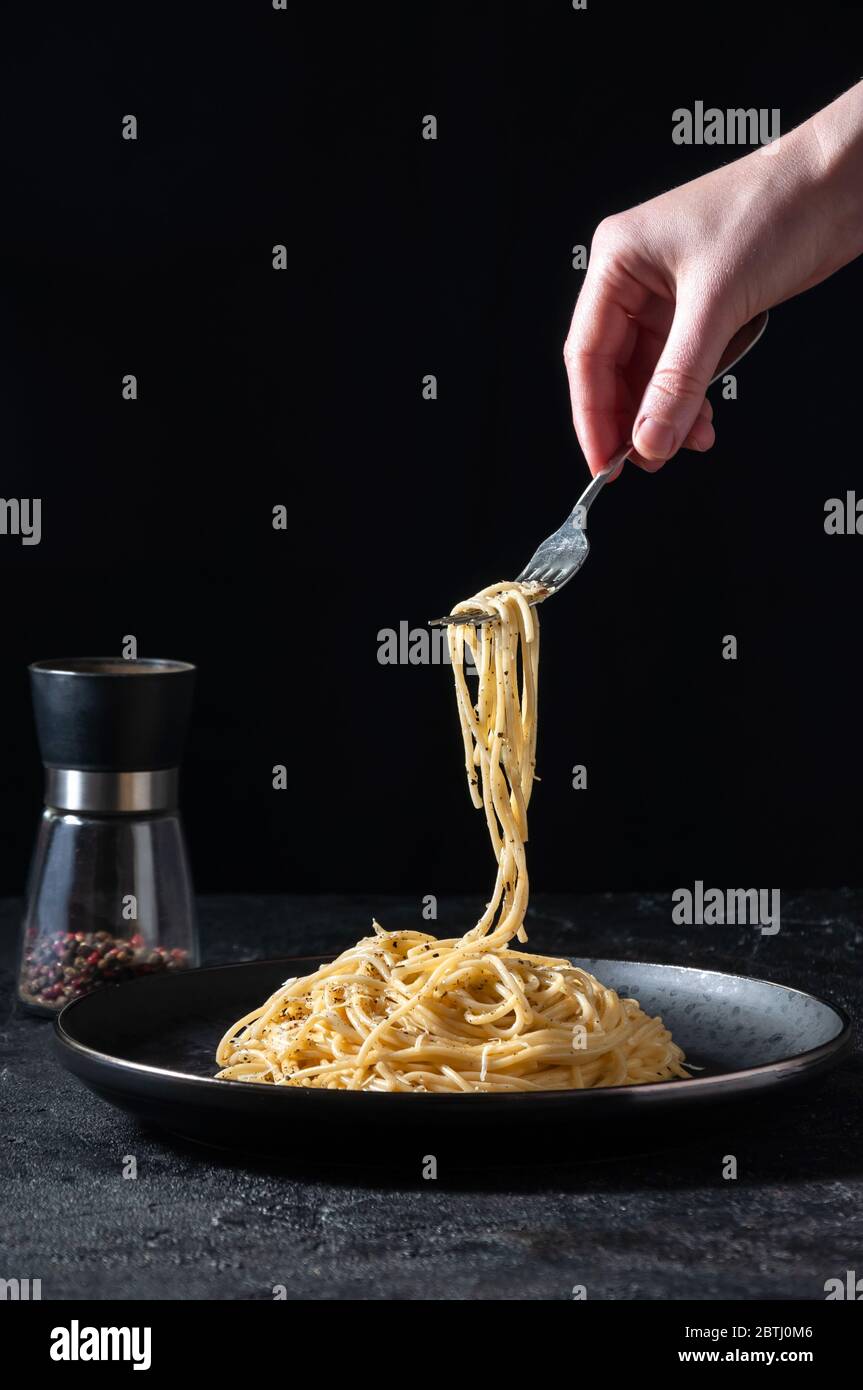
[(109, 896)]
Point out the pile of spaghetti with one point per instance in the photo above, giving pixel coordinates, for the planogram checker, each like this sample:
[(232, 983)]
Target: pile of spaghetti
[(404, 1011)]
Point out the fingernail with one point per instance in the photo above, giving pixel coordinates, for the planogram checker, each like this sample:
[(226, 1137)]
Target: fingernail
[(653, 439)]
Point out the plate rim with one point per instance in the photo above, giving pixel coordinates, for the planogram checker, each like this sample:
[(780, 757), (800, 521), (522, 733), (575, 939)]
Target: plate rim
[(799, 1062)]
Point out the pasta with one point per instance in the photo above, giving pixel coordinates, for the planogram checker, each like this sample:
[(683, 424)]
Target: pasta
[(404, 1011)]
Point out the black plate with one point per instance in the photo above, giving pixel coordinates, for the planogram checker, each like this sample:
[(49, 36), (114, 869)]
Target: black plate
[(148, 1047)]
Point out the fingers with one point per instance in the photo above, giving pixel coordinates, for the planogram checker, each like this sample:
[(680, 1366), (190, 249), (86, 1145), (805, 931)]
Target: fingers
[(601, 340), (639, 363), (702, 436), (669, 416), (593, 374)]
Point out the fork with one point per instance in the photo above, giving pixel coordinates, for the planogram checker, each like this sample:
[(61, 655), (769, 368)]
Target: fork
[(562, 554)]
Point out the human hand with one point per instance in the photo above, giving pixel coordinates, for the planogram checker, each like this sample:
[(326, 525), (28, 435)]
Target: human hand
[(670, 281)]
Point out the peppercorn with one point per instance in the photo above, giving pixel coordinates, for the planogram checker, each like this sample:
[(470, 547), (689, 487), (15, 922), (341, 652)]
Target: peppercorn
[(68, 964)]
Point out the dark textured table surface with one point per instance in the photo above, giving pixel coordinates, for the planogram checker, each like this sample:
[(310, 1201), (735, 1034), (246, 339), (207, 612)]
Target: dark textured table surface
[(651, 1223)]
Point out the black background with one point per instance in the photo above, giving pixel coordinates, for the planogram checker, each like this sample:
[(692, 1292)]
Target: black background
[(303, 387)]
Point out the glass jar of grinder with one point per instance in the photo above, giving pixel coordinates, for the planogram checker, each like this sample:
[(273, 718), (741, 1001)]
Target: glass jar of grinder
[(109, 896)]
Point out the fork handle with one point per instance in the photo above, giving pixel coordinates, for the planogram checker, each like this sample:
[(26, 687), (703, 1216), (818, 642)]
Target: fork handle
[(578, 515), (745, 338)]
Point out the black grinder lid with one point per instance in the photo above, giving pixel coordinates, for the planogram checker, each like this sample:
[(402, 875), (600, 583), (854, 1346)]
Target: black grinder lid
[(105, 714)]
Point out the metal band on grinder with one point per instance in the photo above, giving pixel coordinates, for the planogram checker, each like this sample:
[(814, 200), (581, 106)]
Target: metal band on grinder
[(111, 793)]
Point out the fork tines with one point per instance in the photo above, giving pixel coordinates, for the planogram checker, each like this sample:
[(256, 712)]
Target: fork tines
[(475, 618)]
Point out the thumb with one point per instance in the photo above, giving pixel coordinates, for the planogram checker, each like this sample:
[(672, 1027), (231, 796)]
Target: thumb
[(674, 394)]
